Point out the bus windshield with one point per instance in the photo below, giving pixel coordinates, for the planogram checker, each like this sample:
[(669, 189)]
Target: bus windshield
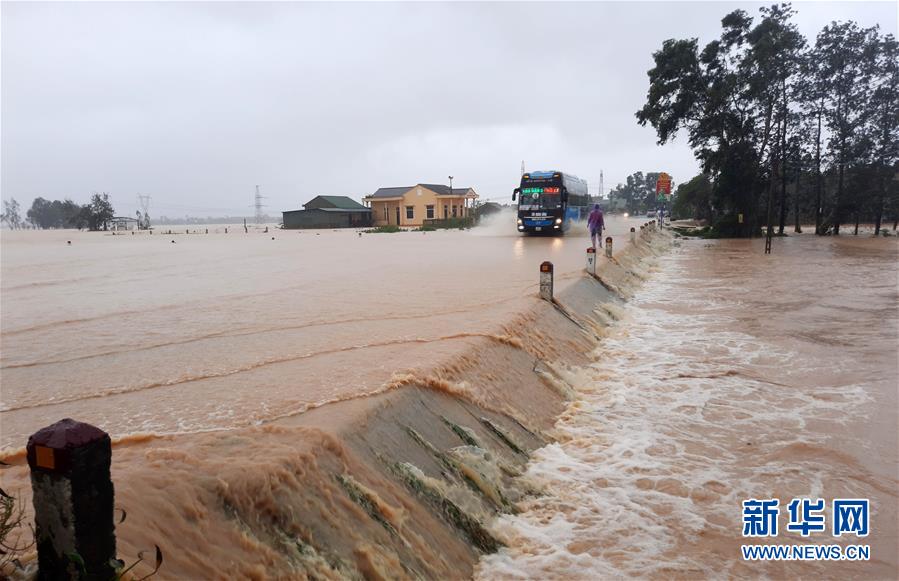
[(540, 198)]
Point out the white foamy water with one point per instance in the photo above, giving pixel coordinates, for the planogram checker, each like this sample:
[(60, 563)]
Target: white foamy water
[(731, 376)]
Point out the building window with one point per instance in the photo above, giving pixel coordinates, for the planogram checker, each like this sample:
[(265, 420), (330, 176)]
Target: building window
[(430, 212), (445, 211), (410, 212), (454, 210), (386, 214)]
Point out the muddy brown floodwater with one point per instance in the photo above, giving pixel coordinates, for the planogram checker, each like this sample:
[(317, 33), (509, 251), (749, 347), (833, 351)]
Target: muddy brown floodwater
[(139, 335), (731, 375)]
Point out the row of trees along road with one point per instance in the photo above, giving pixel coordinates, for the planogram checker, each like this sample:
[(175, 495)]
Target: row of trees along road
[(638, 194), (770, 116), (61, 214)]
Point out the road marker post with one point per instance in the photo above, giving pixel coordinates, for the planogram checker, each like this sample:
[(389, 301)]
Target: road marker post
[(73, 501), (591, 261), (546, 281)]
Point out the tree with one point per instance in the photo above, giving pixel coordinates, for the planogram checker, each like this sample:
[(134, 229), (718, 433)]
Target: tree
[(72, 217), (729, 98), (812, 93), (884, 123), (845, 52), (770, 65), (638, 194), (98, 212), (55, 214), (11, 214), (762, 112), (693, 199), (42, 214), (143, 220)]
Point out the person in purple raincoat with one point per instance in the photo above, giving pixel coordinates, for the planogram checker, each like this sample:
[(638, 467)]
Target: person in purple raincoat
[(596, 224)]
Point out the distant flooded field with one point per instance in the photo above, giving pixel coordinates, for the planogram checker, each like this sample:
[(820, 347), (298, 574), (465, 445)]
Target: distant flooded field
[(731, 375), (190, 332)]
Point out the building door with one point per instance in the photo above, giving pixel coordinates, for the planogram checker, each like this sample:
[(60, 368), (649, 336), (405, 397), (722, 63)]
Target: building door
[(397, 215)]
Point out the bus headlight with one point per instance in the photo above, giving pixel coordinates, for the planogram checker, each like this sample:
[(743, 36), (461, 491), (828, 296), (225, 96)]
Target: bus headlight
[(519, 221), (558, 220)]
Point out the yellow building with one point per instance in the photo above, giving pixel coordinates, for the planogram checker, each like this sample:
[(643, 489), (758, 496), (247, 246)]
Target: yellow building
[(414, 205)]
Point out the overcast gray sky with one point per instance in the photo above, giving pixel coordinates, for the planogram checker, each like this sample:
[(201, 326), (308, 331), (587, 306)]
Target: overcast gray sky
[(196, 103)]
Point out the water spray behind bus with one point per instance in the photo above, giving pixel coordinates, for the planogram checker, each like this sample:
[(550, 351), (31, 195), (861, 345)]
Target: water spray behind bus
[(548, 201)]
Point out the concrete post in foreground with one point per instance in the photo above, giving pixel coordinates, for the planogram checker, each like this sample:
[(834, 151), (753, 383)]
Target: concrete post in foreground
[(633, 234), (73, 501), (546, 281), (591, 261), (608, 247)]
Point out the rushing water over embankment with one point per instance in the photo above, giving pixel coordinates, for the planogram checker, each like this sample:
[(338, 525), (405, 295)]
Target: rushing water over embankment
[(732, 375)]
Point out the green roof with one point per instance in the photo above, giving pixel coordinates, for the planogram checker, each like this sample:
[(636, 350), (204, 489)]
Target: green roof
[(341, 202)]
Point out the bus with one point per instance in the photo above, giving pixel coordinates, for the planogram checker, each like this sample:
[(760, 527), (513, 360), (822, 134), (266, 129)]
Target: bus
[(548, 201)]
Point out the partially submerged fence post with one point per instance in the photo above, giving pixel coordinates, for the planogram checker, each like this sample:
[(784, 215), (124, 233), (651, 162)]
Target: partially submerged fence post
[(633, 234), (546, 281), (608, 247), (591, 261), (73, 501)]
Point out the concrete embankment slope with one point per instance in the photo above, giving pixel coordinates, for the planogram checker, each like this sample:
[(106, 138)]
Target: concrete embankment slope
[(397, 485)]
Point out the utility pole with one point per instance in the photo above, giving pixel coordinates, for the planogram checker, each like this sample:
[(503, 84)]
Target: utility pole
[(258, 205), (600, 184), (522, 169), (144, 203)]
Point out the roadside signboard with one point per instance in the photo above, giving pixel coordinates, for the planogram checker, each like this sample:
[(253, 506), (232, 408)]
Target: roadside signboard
[(663, 185)]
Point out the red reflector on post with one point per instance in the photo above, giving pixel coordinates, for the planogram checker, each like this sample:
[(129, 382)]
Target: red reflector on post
[(546, 267), (591, 250), (44, 458)]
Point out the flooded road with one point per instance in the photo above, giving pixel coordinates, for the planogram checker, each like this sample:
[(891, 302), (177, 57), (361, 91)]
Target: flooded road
[(185, 333), (730, 376)]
